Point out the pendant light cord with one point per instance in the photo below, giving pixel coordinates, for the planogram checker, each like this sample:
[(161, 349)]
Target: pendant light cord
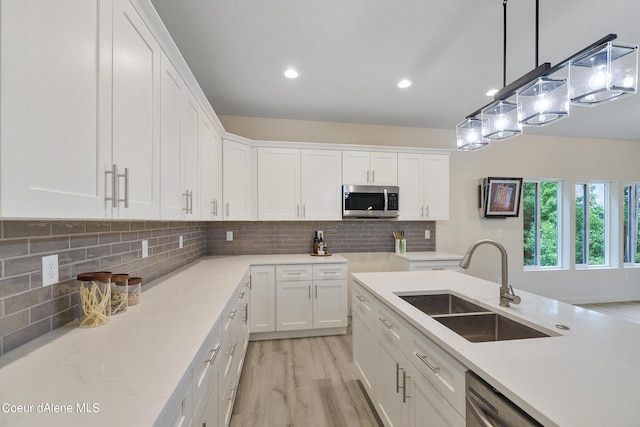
[(504, 45), (537, 30)]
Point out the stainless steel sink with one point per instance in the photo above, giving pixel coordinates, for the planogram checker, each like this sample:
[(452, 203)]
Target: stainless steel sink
[(438, 304), (483, 327)]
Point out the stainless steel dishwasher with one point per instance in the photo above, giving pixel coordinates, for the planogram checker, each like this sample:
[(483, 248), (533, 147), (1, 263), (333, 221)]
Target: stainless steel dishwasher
[(486, 407)]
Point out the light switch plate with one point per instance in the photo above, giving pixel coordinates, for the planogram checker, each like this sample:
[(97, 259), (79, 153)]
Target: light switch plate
[(229, 235), (181, 242), (50, 273), (427, 234)]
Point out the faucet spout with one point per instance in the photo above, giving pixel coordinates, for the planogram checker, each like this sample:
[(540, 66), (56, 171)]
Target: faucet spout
[(506, 291)]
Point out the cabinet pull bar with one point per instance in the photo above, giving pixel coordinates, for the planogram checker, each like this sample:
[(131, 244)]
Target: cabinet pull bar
[(398, 377), (367, 176), (386, 323), (316, 291), (125, 176), (227, 209), (214, 355), (404, 386), (360, 298), (232, 314), (309, 291), (304, 211), (186, 201), (425, 360), (373, 176), (113, 199), (479, 415)]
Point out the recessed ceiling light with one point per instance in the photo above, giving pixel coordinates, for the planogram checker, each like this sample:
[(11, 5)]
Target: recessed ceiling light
[(290, 73), (403, 84), (492, 92)]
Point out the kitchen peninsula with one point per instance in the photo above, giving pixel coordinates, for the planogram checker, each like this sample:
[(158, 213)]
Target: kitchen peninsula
[(583, 376)]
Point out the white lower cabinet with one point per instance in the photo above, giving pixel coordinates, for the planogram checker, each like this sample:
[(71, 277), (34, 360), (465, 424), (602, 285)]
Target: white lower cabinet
[(411, 380)]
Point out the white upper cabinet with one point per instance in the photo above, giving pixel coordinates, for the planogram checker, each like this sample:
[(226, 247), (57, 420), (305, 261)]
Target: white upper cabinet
[(210, 167), (279, 184), (320, 184), (49, 64), (237, 181), (369, 168), (189, 122), (136, 115), (424, 186), (298, 184)]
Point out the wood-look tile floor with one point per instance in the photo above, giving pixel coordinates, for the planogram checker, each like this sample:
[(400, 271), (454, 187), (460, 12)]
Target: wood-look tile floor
[(627, 310), (301, 382)]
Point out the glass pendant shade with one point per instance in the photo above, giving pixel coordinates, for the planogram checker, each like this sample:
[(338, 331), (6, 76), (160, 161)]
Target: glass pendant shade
[(500, 120), (604, 74), (469, 135), (543, 101)]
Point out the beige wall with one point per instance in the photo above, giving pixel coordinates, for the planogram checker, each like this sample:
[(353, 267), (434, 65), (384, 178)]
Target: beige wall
[(568, 159)]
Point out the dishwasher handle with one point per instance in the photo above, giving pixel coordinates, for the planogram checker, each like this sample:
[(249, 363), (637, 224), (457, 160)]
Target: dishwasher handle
[(477, 412)]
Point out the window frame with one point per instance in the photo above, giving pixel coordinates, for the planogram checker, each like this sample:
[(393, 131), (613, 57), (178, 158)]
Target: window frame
[(607, 227), (633, 225), (560, 218)]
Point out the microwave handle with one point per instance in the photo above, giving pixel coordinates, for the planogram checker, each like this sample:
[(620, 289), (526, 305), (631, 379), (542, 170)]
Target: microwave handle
[(386, 200)]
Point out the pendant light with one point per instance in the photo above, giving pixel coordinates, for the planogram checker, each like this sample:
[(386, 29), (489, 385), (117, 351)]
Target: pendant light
[(603, 74), (469, 135)]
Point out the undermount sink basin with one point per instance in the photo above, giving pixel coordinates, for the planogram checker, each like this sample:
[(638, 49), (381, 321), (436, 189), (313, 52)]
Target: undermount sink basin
[(438, 304), (483, 327), (469, 320)]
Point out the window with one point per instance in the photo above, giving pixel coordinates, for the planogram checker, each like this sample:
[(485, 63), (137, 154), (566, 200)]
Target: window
[(591, 223), (631, 230), (541, 226)]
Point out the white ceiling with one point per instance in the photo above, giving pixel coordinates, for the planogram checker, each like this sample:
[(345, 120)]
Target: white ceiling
[(352, 53)]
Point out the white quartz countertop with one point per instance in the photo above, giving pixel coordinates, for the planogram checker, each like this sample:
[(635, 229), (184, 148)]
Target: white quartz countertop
[(125, 371), (586, 376), (428, 256)]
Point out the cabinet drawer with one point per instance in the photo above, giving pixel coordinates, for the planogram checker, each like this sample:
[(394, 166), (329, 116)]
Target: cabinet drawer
[(439, 368), (435, 265), (364, 299), (206, 363), (287, 273), (330, 272), (391, 326)]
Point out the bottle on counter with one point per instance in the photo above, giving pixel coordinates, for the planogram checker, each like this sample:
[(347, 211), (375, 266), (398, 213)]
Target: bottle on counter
[(315, 243), (321, 246)]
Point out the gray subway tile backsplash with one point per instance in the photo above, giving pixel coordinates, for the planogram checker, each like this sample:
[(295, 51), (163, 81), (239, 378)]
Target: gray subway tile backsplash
[(27, 310)]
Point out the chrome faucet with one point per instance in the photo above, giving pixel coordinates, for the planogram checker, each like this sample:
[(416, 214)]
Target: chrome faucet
[(506, 291)]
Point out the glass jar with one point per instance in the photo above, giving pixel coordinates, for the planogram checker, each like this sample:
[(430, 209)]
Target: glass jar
[(135, 290), (119, 293), (95, 298)]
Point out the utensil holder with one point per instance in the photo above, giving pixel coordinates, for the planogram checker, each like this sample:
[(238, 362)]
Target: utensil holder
[(401, 246)]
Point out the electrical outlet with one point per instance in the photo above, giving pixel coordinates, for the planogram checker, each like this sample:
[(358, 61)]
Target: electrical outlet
[(427, 234), (229, 236), (181, 242), (145, 248), (50, 273)]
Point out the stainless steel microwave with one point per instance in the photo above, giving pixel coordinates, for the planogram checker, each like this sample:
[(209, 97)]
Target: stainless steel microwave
[(370, 201)]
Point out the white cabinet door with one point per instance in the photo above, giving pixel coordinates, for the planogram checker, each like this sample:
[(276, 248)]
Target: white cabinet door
[(51, 155), (355, 168), (170, 99), (436, 180), (425, 406), (390, 364), (321, 184), (263, 298), (369, 168), (294, 305), (210, 148), (364, 339), (384, 168), (189, 118), (411, 183), (279, 184), (237, 185), (329, 303), (424, 183), (136, 114)]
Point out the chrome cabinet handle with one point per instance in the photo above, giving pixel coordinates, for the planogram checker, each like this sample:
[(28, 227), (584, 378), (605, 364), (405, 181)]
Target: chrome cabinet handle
[(309, 291), (427, 211), (215, 207), (232, 314), (367, 176), (298, 211), (360, 298), (113, 199), (425, 360), (214, 355), (125, 176), (404, 386), (373, 176), (246, 313), (191, 202), (422, 207), (304, 211), (227, 208), (186, 201), (233, 349), (386, 323), (316, 291), (398, 377), (233, 392)]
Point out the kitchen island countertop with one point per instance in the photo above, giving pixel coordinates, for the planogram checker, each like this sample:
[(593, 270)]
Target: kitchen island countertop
[(585, 376)]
